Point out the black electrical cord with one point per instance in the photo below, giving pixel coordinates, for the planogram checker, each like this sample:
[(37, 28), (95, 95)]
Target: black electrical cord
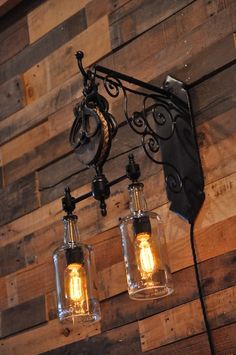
[(208, 329)]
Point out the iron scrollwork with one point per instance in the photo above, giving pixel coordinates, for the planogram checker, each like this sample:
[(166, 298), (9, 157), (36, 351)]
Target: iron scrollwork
[(164, 123)]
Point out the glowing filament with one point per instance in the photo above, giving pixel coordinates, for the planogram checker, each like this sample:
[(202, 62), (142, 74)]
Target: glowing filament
[(76, 287), (145, 256)]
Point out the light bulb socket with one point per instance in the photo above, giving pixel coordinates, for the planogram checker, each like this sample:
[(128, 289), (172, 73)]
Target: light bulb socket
[(133, 169), (135, 185), (70, 217), (141, 225), (75, 255)]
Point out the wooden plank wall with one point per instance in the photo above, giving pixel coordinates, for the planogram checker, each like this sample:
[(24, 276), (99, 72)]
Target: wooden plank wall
[(194, 41)]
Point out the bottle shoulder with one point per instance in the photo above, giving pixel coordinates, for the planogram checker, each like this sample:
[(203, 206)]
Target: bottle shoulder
[(139, 214), (67, 246)]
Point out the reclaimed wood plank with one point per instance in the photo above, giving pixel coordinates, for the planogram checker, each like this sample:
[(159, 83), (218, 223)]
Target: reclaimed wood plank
[(41, 155), (123, 340), (224, 339), (56, 123), (224, 51), (38, 111), (39, 76), (29, 57), (12, 97), (61, 64), (14, 39), (135, 17), (160, 42), (171, 325), (94, 12), (35, 52), (46, 337), (25, 143), (11, 291), (175, 324), (49, 15), (12, 258), (18, 199), (126, 338), (4, 296), (23, 316)]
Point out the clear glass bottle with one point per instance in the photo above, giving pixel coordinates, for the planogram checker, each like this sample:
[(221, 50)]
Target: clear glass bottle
[(76, 286), (145, 254)]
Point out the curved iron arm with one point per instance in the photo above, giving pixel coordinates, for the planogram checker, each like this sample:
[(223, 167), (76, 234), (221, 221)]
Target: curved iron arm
[(164, 123)]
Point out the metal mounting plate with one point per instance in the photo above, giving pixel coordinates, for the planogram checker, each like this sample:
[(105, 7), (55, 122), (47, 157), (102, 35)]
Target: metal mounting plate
[(181, 151)]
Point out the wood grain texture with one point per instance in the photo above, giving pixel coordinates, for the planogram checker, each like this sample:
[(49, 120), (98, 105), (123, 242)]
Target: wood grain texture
[(23, 316), (12, 97), (32, 54), (40, 156), (12, 258), (126, 339), (176, 324), (18, 199), (14, 39), (179, 41), (136, 17), (38, 111), (61, 64), (50, 14), (46, 337), (94, 12), (26, 142), (122, 340), (171, 325)]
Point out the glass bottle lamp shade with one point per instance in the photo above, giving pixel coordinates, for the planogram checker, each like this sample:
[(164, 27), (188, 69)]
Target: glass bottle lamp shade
[(75, 277), (145, 254)]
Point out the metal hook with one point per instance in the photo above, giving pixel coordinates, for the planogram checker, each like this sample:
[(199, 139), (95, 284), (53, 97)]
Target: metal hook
[(79, 56)]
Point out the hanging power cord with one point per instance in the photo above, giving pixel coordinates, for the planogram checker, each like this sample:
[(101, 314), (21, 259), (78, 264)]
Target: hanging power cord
[(208, 329)]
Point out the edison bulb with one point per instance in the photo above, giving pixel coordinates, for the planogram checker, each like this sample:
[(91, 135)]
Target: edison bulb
[(146, 257), (76, 288)]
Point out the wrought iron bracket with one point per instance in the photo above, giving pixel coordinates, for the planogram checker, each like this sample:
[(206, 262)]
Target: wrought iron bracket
[(164, 123)]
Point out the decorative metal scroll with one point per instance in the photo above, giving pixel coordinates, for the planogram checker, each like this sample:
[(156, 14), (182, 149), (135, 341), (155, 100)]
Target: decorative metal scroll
[(166, 128)]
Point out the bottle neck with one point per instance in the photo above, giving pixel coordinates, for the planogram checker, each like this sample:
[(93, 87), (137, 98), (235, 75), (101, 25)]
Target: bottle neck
[(137, 202), (71, 233)]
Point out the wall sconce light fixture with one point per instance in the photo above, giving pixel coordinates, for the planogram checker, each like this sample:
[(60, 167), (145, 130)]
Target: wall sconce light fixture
[(166, 127)]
